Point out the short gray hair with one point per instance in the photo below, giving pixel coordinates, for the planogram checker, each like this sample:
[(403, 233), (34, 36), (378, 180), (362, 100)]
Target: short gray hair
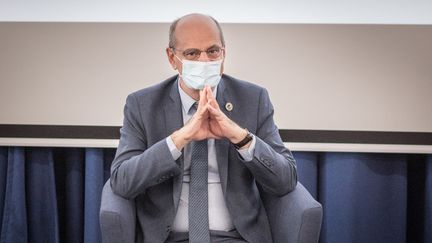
[(173, 26)]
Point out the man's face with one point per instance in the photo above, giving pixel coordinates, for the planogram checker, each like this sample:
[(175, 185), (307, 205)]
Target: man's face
[(194, 34)]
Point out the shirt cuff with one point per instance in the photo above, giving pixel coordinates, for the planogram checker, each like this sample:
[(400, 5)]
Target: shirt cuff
[(247, 153), (173, 149)]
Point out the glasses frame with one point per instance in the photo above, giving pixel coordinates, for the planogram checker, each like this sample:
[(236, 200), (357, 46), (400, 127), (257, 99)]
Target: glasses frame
[(200, 52)]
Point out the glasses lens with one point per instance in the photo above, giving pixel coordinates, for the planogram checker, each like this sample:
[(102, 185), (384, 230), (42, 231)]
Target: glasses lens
[(194, 54), (191, 54), (214, 52)]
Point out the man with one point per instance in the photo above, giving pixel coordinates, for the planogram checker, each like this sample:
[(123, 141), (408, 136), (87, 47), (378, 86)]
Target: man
[(197, 149)]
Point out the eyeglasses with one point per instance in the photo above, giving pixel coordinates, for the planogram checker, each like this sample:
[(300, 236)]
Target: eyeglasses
[(193, 54)]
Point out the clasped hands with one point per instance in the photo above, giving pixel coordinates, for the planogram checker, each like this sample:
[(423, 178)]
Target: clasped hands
[(208, 122)]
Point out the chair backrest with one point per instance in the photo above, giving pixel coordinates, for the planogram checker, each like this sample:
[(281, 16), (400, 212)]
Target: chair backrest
[(294, 218), (117, 217)]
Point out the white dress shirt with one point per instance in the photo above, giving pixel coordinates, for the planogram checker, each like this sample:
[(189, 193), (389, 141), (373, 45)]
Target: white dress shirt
[(219, 217)]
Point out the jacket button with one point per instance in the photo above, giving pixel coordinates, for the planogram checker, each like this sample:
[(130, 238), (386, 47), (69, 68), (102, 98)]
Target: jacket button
[(267, 162)]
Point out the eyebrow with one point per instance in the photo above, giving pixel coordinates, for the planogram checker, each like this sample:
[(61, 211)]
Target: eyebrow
[(212, 46)]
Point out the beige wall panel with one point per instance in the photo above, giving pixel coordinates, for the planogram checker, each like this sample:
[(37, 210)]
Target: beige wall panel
[(336, 77)]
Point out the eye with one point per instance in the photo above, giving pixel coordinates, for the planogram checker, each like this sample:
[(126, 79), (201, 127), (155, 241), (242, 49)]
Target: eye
[(214, 51), (191, 53)]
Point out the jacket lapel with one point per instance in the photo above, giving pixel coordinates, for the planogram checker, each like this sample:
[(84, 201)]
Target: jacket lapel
[(173, 122), (222, 145)]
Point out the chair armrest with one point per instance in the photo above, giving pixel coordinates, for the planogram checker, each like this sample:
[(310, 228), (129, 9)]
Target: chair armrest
[(117, 217), (295, 217)]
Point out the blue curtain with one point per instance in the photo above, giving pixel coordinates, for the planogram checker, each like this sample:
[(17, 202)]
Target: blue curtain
[(53, 194), (370, 197)]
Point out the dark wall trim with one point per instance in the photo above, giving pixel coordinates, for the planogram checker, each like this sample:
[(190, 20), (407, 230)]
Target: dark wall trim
[(305, 136), (56, 131), (358, 137)]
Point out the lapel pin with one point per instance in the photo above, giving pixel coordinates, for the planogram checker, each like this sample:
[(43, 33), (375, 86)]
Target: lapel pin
[(229, 106)]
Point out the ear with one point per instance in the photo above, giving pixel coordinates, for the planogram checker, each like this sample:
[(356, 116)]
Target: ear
[(171, 58)]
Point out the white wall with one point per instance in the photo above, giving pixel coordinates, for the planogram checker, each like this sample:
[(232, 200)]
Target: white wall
[(240, 11)]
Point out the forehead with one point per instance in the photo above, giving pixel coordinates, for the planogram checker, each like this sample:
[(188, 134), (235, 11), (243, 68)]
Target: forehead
[(197, 32)]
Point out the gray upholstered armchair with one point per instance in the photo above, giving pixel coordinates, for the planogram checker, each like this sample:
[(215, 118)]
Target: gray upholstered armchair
[(294, 218)]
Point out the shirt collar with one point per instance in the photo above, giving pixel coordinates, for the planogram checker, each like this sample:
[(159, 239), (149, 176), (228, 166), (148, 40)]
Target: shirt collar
[(186, 100)]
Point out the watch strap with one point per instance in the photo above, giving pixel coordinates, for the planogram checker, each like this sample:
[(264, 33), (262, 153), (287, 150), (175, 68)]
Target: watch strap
[(245, 140)]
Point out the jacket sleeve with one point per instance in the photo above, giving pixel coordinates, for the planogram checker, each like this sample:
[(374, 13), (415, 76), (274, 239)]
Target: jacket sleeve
[(136, 165), (273, 165)]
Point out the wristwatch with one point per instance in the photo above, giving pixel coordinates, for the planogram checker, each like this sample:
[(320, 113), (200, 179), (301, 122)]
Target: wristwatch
[(245, 140)]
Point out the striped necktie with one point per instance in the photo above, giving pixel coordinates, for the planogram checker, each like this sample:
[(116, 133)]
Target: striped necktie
[(198, 193)]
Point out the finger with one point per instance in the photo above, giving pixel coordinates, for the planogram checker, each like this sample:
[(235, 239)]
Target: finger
[(209, 94), (217, 114), (202, 100), (213, 104), (202, 113), (212, 99), (209, 90), (202, 94), (214, 111)]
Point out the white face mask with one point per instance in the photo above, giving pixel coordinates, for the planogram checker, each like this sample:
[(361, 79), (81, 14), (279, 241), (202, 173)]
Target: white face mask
[(197, 74)]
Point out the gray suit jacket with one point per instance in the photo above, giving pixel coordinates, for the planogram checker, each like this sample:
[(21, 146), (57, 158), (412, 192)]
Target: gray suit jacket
[(144, 169)]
